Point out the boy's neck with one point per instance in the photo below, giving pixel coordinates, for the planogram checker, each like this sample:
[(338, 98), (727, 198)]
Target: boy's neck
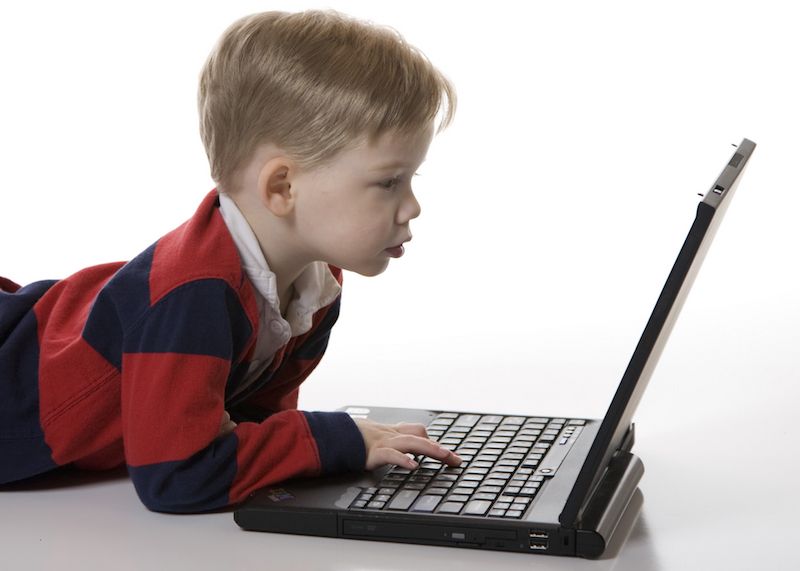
[(278, 245)]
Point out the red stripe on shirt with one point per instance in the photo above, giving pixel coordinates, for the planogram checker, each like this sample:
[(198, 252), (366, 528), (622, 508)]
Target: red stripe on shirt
[(172, 405)]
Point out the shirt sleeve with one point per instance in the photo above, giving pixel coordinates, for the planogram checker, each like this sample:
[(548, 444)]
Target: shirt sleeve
[(175, 365)]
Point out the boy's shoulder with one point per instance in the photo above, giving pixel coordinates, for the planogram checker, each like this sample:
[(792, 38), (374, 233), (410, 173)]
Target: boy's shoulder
[(200, 250)]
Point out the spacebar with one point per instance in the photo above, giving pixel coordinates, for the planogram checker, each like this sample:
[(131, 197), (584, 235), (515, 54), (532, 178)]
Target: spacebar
[(403, 500)]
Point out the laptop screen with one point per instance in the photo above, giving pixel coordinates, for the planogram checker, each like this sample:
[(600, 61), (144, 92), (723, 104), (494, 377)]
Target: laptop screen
[(634, 381)]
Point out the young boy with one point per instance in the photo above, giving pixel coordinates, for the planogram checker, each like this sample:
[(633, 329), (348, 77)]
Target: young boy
[(184, 363)]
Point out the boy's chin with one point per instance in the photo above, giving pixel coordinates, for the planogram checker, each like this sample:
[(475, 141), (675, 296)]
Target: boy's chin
[(370, 270)]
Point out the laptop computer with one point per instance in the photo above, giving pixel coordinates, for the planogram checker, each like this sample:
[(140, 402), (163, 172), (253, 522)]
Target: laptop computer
[(534, 483)]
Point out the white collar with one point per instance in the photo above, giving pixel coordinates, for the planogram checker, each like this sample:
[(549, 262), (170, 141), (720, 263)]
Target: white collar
[(314, 288)]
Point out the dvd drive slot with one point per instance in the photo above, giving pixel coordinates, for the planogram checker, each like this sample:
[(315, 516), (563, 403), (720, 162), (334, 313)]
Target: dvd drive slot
[(399, 530)]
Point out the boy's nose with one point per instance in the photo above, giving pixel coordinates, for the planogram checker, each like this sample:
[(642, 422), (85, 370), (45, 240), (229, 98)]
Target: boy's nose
[(410, 209)]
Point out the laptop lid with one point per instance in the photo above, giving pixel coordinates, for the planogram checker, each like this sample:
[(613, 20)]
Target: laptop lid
[(634, 381)]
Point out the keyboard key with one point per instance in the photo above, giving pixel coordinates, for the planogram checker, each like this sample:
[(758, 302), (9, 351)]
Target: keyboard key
[(414, 486), (481, 464), (469, 484), (403, 500), (437, 491), (497, 513), (359, 504), (514, 513), (426, 503), (485, 496), (376, 505), (494, 482), (445, 484), (450, 508), (477, 507), (467, 420), (476, 470), (491, 489), (460, 498)]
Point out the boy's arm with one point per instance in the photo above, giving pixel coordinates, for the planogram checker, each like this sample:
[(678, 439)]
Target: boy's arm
[(176, 363)]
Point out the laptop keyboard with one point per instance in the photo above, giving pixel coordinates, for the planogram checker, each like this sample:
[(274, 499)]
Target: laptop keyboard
[(501, 473)]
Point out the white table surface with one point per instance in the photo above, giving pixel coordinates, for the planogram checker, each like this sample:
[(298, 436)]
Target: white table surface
[(719, 493)]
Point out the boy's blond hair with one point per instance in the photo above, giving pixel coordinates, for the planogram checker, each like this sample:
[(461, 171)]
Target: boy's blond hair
[(311, 83)]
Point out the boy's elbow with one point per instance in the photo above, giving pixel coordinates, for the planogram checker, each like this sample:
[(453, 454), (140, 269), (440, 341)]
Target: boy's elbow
[(197, 484)]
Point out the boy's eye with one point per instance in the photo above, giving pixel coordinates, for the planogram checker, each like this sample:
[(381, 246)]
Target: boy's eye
[(389, 184), (392, 182)]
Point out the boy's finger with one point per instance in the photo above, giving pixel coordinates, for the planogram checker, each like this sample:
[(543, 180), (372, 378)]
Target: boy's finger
[(418, 445), (412, 428), (391, 456)]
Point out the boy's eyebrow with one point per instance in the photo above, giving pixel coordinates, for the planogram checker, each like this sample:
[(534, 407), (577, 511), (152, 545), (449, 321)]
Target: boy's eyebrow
[(393, 165)]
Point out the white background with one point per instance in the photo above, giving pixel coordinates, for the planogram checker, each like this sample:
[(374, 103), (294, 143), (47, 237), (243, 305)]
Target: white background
[(553, 209)]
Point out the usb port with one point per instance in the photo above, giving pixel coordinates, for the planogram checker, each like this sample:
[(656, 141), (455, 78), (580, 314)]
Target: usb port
[(538, 534), (539, 545)]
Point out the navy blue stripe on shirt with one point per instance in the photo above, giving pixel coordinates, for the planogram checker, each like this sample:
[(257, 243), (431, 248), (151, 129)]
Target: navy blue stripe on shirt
[(202, 317), (199, 483), (339, 441), (23, 450)]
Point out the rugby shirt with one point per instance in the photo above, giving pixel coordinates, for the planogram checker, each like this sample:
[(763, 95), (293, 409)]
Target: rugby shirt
[(134, 363)]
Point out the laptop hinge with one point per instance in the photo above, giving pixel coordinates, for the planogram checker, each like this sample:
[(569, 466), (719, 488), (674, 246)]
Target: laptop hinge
[(607, 504)]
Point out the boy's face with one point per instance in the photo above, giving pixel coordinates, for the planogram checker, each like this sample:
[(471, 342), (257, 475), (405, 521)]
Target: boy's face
[(356, 211)]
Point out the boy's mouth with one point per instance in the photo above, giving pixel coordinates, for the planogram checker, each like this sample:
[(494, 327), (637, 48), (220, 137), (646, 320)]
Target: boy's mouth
[(396, 251)]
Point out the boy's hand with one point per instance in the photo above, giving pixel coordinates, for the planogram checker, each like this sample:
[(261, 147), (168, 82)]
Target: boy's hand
[(227, 424), (389, 443)]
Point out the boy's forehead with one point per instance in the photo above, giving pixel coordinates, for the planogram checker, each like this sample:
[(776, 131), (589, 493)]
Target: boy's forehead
[(392, 149)]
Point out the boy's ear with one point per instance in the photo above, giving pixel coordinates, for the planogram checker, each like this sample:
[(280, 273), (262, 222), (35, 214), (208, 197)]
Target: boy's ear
[(275, 187)]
